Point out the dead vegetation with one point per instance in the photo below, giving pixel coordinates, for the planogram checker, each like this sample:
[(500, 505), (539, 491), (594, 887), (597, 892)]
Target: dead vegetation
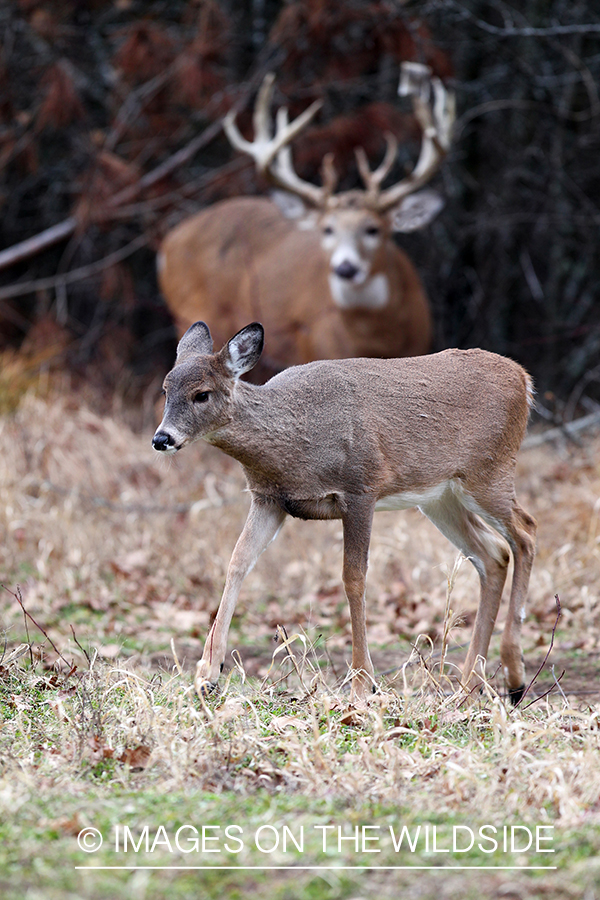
[(120, 559)]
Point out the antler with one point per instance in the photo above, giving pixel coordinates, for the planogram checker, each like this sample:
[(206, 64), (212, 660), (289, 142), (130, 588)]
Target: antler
[(373, 180), (273, 156), (436, 123), (272, 153)]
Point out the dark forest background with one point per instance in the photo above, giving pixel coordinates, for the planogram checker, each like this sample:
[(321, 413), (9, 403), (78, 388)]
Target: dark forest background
[(110, 134)]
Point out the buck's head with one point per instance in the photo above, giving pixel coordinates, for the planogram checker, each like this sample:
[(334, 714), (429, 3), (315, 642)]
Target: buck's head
[(354, 228), (355, 225), (199, 387), (354, 232)]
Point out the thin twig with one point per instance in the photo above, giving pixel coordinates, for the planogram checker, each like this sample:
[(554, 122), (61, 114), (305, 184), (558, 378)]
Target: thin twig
[(28, 615), (83, 650), (549, 691), (545, 659)]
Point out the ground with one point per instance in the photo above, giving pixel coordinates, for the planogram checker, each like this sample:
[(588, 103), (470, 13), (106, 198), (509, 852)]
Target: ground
[(119, 558)]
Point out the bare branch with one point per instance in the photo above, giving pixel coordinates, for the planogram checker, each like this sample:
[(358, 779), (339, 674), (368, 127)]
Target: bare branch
[(33, 245), (38, 242), (566, 430), (528, 31), (54, 281)]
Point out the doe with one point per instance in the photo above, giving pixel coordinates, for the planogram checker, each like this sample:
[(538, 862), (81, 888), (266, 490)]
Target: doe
[(339, 439)]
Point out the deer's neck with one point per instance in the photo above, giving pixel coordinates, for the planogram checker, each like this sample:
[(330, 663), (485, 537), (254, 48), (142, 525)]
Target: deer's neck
[(254, 432)]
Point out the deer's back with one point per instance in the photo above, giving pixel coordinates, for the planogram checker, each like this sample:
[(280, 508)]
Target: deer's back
[(453, 409)]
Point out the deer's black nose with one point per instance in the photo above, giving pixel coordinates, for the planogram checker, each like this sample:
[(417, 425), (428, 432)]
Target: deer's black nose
[(346, 269), (162, 441)]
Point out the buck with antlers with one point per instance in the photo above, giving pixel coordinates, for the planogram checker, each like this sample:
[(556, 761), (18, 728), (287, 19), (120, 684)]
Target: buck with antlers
[(339, 439), (320, 269)]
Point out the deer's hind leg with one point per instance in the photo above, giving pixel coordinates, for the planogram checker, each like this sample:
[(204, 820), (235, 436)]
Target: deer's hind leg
[(489, 554), (502, 511), (521, 537)]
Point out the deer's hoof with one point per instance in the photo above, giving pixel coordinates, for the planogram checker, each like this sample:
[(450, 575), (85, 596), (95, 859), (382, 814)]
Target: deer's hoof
[(205, 680), (205, 688), (515, 694)]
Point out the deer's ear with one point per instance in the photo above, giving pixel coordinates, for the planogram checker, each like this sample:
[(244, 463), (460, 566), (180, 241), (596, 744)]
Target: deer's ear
[(243, 350), (195, 342), (416, 211)]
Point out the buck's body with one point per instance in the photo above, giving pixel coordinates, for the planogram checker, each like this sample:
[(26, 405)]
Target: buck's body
[(342, 438), (242, 259)]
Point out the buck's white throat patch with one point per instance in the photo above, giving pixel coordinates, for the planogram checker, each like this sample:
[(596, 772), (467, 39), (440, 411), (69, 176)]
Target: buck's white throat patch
[(372, 294)]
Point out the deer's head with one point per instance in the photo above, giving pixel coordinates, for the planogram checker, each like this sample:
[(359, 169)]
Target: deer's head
[(198, 389)]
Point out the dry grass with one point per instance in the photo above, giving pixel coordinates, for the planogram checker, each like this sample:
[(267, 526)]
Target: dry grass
[(116, 553), (420, 750)]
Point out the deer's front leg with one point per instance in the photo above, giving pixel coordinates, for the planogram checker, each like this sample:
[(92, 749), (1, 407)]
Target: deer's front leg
[(264, 521), (357, 535)]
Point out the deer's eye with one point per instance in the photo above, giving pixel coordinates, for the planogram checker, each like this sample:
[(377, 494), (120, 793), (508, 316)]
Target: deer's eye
[(201, 397), (372, 230), (327, 230)]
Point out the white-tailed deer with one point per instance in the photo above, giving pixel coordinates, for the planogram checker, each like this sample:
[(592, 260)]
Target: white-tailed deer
[(320, 270), (340, 439)]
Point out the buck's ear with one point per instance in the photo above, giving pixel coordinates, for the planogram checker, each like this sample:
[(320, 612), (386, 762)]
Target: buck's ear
[(243, 350), (416, 211), (195, 342)]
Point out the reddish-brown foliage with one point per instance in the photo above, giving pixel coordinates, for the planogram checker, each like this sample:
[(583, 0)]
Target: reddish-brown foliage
[(108, 175), (61, 104), (202, 69), (146, 51), (344, 42)]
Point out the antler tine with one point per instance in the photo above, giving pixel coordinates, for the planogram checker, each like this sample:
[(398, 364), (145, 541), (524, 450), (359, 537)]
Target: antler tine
[(265, 147), (259, 148), (234, 135), (444, 112), (286, 132), (329, 175), (415, 79), (373, 180), (282, 172), (436, 123), (261, 120)]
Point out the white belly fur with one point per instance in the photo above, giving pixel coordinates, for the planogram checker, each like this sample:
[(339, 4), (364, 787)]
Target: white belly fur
[(439, 504), (410, 499)]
